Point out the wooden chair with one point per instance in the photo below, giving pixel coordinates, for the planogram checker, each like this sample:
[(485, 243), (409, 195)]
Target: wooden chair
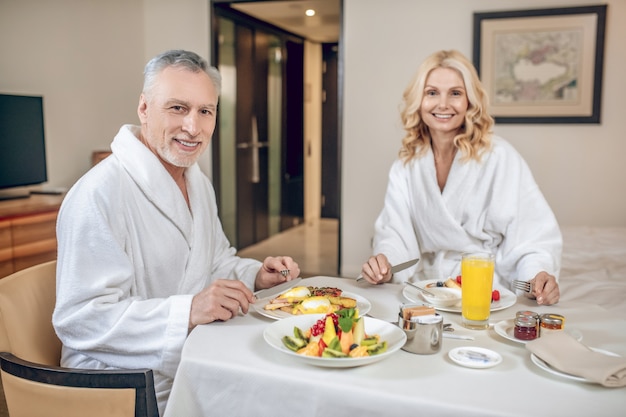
[(34, 383)]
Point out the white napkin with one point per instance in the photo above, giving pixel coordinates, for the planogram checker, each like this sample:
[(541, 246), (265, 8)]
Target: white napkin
[(561, 351)]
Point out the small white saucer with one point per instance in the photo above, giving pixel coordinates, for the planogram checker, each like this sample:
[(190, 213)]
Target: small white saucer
[(475, 357), (505, 328)]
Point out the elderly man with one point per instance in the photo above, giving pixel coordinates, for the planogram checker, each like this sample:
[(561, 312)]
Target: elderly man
[(142, 255)]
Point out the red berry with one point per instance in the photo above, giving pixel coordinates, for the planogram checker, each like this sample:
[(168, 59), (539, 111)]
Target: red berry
[(318, 327), (495, 295), (458, 279)]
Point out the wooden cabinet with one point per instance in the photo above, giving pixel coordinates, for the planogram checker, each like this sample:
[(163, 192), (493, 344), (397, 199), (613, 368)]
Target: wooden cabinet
[(6, 249), (28, 232)]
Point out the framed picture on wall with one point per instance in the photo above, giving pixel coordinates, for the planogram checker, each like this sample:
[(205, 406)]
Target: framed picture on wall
[(542, 66)]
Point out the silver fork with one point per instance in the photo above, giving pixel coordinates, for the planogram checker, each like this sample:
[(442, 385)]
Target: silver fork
[(525, 286)]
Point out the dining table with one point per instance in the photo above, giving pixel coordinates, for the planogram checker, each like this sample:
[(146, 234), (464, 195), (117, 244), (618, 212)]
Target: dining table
[(229, 369)]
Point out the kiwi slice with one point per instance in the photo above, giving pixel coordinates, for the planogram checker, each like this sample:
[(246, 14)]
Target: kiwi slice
[(293, 343), (378, 348), (369, 341), (332, 353), (298, 334)]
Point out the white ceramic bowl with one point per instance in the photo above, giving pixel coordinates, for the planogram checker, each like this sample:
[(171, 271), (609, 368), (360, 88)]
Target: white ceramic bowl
[(442, 296), (273, 334)]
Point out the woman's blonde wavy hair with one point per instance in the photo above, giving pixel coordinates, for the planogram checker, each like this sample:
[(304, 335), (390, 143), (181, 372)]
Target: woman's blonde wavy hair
[(475, 137)]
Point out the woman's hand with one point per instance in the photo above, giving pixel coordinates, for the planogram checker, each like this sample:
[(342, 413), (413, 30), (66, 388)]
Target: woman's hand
[(377, 269), (545, 289)]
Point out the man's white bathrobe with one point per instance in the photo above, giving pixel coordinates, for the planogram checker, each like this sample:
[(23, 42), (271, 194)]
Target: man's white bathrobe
[(493, 205), (131, 255)]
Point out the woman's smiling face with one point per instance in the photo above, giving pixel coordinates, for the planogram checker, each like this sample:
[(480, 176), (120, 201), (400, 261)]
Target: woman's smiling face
[(445, 102)]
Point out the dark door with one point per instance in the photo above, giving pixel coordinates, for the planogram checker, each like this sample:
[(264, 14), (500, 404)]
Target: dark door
[(251, 136), (257, 150), (292, 211), (330, 132)]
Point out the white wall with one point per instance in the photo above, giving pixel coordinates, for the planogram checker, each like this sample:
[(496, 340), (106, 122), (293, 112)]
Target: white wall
[(86, 57), (580, 168), (180, 24)]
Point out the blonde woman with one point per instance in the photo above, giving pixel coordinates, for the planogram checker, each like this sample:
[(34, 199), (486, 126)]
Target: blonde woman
[(456, 187)]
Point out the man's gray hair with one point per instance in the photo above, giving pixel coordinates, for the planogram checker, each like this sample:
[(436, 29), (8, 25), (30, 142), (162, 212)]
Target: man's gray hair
[(178, 58)]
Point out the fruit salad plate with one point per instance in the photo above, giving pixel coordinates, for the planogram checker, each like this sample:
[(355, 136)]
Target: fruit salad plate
[(391, 333), (507, 298), (362, 304)]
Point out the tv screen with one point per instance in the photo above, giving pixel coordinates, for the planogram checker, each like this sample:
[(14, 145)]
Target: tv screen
[(22, 141)]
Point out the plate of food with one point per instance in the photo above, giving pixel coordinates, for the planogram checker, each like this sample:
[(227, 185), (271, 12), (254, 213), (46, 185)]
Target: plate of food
[(506, 298), (546, 366), (309, 339), (505, 328), (305, 300)]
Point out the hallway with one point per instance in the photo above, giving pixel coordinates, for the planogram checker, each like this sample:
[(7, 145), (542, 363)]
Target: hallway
[(313, 246)]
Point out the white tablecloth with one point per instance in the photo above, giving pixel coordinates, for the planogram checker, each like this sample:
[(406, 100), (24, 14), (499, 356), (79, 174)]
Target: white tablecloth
[(227, 369)]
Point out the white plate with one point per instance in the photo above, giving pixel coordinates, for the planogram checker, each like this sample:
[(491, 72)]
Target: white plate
[(507, 298), (362, 304), (442, 296), (505, 329), (546, 367), (394, 336), (475, 357)]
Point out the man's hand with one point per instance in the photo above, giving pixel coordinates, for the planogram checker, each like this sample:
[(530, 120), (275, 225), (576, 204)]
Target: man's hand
[(221, 300), (270, 273)]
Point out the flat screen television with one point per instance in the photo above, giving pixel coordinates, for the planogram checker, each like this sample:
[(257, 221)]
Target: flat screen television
[(22, 144)]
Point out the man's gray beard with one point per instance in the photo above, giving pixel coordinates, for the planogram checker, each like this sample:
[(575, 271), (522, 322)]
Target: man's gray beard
[(168, 156)]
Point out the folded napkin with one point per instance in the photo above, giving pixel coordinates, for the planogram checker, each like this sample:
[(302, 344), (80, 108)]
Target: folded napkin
[(561, 351)]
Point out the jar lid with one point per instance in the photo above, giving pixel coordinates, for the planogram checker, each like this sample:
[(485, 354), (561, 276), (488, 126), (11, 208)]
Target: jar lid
[(525, 321), (552, 318), (526, 313)]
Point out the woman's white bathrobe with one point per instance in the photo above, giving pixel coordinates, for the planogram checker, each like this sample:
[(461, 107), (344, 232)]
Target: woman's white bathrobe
[(493, 205), (131, 255)]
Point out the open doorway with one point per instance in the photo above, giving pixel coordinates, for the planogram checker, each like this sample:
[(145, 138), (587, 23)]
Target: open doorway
[(264, 139), (260, 135)]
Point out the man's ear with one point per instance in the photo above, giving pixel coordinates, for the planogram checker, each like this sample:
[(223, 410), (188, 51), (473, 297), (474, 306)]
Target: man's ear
[(142, 109)]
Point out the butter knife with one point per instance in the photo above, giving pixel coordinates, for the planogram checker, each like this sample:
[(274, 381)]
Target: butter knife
[(277, 289), (395, 268)]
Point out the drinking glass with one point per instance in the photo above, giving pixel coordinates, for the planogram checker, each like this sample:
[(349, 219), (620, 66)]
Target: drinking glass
[(476, 286)]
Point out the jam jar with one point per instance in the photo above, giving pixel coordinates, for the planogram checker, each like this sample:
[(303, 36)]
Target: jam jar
[(532, 314), (551, 323), (525, 328)]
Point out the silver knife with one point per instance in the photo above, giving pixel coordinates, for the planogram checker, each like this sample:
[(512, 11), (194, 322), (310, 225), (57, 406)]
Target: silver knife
[(395, 268), (277, 289)]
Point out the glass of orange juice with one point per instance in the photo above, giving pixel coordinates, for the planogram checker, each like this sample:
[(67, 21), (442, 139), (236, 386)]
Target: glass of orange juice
[(476, 286)]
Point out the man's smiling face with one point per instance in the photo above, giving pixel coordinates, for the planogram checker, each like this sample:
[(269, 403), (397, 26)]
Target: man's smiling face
[(178, 116)]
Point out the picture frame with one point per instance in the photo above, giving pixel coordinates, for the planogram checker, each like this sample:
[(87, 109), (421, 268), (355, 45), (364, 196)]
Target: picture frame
[(542, 65)]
